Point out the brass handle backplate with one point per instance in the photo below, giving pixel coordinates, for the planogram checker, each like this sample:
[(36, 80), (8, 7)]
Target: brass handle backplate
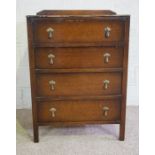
[(52, 84), (107, 31), (50, 32), (51, 57), (106, 84), (105, 111), (106, 57), (53, 110)]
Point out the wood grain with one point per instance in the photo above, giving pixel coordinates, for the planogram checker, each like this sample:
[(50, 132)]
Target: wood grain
[(75, 31), (79, 84), (124, 81), (32, 80), (91, 57), (75, 12), (79, 111), (78, 44)]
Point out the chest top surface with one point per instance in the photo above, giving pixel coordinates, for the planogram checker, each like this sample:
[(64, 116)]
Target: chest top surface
[(78, 14), (75, 13)]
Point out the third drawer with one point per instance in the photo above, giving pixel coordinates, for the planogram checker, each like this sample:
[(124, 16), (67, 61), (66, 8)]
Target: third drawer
[(68, 84)]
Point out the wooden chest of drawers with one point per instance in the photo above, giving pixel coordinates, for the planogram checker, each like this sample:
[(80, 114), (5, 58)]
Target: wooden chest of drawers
[(78, 68)]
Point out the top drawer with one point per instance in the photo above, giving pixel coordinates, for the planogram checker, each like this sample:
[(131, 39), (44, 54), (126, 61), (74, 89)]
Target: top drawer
[(78, 31)]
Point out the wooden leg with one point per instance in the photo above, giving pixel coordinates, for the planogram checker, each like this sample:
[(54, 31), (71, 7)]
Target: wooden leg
[(122, 132), (36, 133)]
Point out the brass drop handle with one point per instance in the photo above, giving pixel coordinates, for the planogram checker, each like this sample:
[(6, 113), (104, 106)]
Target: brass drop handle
[(52, 84), (105, 111), (51, 57), (106, 57), (50, 32), (107, 31), (106, 84), (53, 110)]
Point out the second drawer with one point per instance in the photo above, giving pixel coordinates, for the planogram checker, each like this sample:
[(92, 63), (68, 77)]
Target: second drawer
[(78, 57), (68, 84)]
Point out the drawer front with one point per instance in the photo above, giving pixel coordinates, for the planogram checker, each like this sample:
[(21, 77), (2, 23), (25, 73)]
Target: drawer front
[(79, 110), (78, 57), (75, 31), (78, 84)]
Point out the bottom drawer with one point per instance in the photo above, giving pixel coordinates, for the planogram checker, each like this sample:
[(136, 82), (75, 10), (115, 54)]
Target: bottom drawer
[(75, 111)]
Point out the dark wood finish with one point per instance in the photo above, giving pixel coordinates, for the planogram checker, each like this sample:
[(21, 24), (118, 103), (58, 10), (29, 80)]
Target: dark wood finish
[(65, 124), (84, 31), (79, 70), (90, 57), (79, 84), (78, 44), (32, 80), (115, 44), (96, 97), (124, 80), (78, 111), (76, 12)]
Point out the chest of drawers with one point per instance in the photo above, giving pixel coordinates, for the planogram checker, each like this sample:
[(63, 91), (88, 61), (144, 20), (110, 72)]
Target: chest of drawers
[(78, 68)]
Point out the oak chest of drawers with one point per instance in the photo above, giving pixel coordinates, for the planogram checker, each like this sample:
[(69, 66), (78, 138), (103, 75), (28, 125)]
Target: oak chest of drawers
[(78, 68)]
